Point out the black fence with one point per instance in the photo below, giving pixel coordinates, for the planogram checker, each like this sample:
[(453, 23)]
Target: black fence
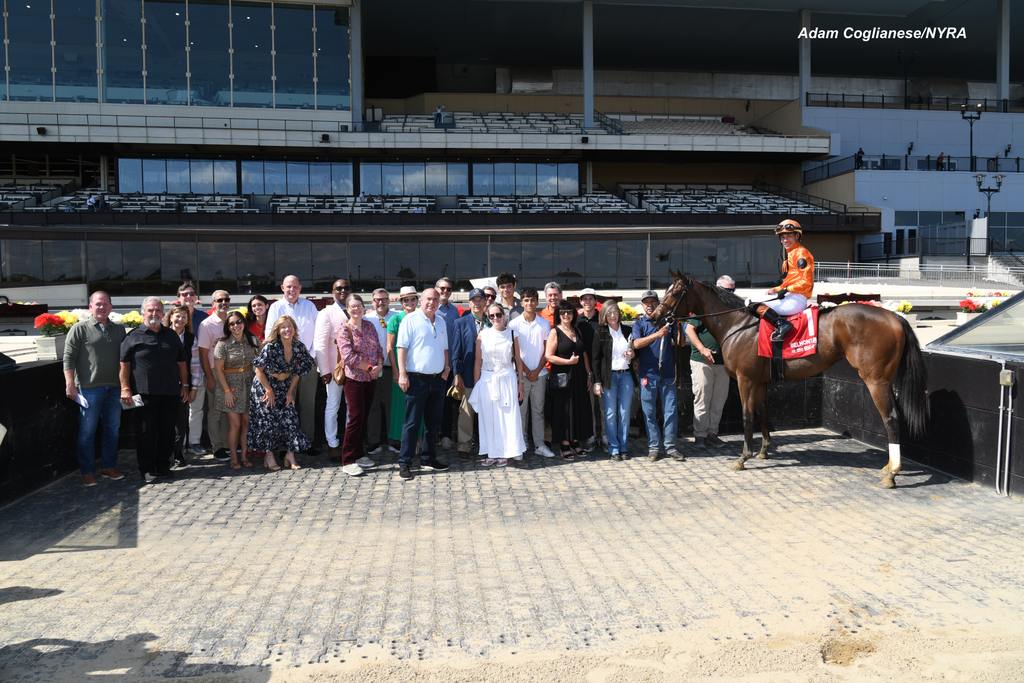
[(885, 249), (938, 163), (922, 102)]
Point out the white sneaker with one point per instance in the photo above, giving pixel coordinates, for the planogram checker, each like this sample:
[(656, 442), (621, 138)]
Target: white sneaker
[(447, 444), (365, 462), (392, 449), (352, 470), (544, 451), (376, 451)]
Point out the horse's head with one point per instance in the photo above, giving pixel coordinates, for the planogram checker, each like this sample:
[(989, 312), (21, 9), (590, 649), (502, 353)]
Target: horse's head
[(672, 305)]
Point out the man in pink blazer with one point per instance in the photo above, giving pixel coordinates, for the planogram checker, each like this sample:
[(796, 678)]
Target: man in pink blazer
[(325, 350)]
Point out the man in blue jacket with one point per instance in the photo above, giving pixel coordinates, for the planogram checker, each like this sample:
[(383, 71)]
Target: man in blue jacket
[(463, 353)]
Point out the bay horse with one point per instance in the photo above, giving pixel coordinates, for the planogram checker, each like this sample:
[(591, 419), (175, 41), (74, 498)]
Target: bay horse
[(878, 344)]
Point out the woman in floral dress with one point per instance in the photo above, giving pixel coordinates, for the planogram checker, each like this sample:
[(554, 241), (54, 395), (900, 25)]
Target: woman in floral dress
[(273, 417)]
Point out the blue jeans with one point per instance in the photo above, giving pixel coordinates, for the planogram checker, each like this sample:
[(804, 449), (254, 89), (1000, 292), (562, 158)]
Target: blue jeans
[(105, 406), (618, 401), (424, 402), (665, 389)]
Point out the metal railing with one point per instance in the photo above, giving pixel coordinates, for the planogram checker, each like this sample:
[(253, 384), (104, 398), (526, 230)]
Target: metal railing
[(611, 125), (927, 103), (930, 275), (821, 202), (928, 162)]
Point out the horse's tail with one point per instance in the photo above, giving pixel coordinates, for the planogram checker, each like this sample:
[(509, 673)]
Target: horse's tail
[(912, 383)]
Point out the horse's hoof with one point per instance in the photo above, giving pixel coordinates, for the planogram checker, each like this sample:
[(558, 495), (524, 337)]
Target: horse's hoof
[(885, 470), (889, 481), (739, 465), (762, 455)]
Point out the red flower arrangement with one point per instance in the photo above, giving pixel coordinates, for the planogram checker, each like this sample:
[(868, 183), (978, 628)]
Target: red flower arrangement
[(50, 324), (971, 306)]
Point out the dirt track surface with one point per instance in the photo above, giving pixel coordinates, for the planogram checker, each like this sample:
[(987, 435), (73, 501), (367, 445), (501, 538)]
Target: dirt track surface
[(800, 569)]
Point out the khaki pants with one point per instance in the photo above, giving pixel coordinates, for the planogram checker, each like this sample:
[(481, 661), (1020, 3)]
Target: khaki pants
[(216, 425), (466, 417), (710, 389)]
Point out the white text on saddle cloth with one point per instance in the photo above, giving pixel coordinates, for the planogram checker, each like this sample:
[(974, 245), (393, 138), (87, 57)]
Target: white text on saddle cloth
[(803, 341)]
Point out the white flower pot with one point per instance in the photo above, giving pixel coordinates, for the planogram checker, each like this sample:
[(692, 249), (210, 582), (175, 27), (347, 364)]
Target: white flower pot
[(50, 348), (963, 316)]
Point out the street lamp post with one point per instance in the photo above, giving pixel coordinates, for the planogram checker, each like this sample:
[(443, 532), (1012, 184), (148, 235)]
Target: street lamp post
[(989, 191), (970, 115)]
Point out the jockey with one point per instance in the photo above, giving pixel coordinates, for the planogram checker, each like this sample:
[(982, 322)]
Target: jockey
[(797, 279)]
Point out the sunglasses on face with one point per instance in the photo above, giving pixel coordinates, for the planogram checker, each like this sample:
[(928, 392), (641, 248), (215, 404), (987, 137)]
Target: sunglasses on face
[(444, 289), (235, 323), (490, 296), (342, 289), (496, 316), (188, 295), (223, 300), (380, 301), (569, 313)]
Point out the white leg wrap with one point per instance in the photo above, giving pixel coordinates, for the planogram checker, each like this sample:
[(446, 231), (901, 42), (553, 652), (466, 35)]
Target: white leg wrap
[(894, 458)]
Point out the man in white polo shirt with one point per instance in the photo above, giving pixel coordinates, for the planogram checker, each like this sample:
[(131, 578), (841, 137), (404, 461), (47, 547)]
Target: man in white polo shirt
[(303, 311), (423, 369), (532, 332)]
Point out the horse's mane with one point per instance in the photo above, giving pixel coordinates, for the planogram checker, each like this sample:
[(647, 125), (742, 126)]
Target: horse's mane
[(725, 296)]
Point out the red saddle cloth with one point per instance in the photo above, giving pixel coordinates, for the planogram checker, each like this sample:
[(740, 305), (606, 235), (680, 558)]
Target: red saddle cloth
[(802, 341)]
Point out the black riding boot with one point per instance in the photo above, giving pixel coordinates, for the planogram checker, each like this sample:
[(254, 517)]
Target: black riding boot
[(782, 326)]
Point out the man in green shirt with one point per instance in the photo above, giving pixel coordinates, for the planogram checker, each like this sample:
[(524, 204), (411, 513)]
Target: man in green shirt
[(92, 355), (710, 380)]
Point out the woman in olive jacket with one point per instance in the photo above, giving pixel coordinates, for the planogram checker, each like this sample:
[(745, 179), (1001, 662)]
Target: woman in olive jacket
[(613, 378)]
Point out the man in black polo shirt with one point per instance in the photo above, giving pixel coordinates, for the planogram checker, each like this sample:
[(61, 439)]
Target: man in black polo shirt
[(153, 366)]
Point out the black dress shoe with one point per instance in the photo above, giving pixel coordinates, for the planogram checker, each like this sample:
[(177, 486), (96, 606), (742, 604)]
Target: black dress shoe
[(312, 451), (713, 440), (404, 472), (434, 464), (221, 454)]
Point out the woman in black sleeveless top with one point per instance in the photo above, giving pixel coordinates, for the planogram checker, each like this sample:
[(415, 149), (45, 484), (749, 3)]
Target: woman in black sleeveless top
[(569, 381)]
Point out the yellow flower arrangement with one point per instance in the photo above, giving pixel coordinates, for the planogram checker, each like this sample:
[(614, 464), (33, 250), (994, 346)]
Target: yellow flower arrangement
[(628, 312)]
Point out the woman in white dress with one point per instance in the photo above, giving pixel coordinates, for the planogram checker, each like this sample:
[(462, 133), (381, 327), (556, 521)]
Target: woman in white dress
[(498, 391)]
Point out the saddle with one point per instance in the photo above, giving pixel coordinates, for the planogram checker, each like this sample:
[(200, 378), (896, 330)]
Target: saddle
[(800, 343)]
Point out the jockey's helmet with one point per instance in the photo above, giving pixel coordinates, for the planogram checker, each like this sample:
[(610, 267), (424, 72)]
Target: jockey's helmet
[(789, 226)]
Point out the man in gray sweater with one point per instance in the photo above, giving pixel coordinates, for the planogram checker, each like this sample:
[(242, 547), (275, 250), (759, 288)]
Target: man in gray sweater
[(92, 355)]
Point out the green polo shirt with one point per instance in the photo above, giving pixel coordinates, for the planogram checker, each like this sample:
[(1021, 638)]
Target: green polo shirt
[(706, 339), (94, 354)]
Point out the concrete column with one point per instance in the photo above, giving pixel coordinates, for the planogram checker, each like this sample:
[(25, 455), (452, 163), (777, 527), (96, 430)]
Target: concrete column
[(588, 63), (805, 57), (589, 186), (355, 29), (1003, 50), (104, 173)]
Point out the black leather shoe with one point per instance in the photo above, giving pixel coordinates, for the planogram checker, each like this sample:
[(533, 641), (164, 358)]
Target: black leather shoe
[(713, 440), (434, 464), (221, 454), (404, 472)]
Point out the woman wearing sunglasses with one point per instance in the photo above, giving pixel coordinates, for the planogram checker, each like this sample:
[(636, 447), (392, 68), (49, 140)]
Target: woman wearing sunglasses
[(498, 390), (232, 362)]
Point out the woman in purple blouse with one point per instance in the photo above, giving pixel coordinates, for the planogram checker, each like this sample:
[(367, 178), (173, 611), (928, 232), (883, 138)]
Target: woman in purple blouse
[(359, 349)]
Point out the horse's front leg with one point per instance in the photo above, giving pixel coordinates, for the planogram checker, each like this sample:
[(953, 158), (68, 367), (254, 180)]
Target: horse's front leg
[(747, 400), (760, 392)]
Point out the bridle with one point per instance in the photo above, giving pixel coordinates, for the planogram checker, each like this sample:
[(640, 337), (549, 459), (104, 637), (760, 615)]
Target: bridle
[(670, 317)]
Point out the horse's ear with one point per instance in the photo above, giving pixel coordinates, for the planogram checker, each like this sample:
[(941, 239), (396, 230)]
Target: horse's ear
[(677, 275)]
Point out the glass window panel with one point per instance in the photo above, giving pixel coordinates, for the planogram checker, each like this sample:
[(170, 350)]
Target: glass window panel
[(402, 264), (122, 51), (995, 219), (734, 259), (569, 180), (483, 179), (293, 41), (74, 32), (537, 263), (470, 262), (104, 261), (547, 179), (507, 257), (28, 54), (332, 71), (765, 258), (209, 61), (952, 217), (293, 258), (252, 62), (298, 177), (437, 179), (568, 264), (319, 178), (201, 172), (177, 176), (224, 178), (631, 268), (178, 262), (274, 177), (369, 179), (216, 266), (999, 332), (141, 261), (600, 264), (906, 218), (252, 177), (666, 254), (458, 179), (392, 179), (154, 175), (1014, 219), (929, 218), (255, 265), (129, 175), (436, 259), (414, 180), (62, 261), (366, 261), (504, 179), (166, 82), (341, 179), (22, 260), (330, 261), (697, 257), (526, 179)]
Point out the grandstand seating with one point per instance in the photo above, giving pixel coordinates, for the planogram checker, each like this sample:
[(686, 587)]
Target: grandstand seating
[(714, 199), (684, 125), (21, 196), (596, 202), (493, 122), (154, 203)]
